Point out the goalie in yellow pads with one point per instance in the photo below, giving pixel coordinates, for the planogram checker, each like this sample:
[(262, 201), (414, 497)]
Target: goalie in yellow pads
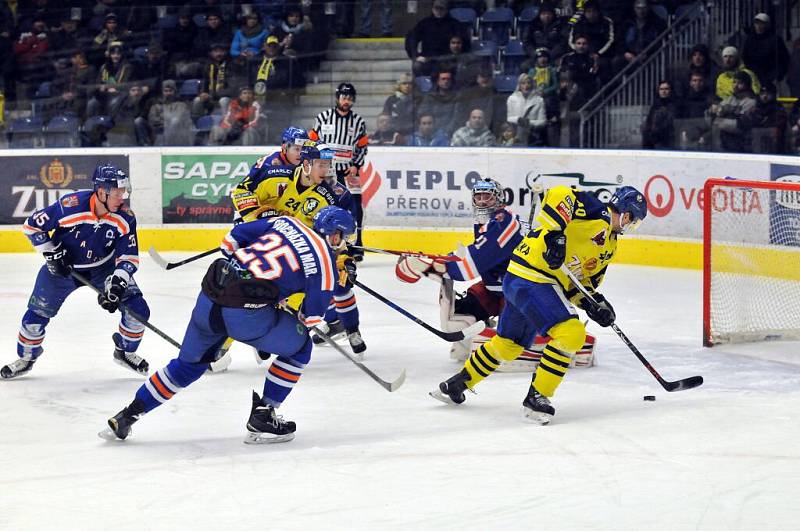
[(574, 228)]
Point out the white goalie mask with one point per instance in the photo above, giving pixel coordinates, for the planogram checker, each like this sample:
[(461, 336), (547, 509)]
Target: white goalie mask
[(488, 197)]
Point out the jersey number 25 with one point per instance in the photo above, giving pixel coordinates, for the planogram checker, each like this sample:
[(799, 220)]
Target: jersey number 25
[(263, 257)]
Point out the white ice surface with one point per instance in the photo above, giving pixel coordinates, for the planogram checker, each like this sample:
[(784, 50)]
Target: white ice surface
[(723, 456)]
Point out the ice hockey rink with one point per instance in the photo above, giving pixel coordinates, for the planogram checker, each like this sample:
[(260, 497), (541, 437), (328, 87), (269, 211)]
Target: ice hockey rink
[(722, 456)]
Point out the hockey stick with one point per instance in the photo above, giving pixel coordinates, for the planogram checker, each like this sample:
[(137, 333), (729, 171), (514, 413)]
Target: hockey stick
[(678, 385), (163, 264), (83, 280), (440, 257), (468, 332)]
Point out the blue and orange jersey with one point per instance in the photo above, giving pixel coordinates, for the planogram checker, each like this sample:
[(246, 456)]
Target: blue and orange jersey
[(488, 256), (291, 255), (90, 241), (276, 159)]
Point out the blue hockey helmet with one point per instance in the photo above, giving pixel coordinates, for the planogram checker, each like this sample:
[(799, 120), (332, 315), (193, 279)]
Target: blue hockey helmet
[(294, 135), (108, 176), (627, 199), (332, 219), (484, 206), (312, 150)]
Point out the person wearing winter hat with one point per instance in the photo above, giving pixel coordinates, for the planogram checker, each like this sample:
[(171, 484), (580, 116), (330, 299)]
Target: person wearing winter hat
[(732, 118), (732, 64)]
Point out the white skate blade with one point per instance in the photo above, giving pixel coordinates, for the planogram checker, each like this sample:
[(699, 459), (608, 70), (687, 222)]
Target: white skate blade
[(123, 364), (109, 435), (537, 417), (266, 438), (441, 397)]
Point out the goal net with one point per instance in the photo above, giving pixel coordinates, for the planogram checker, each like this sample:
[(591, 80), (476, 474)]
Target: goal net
[(751, 260)]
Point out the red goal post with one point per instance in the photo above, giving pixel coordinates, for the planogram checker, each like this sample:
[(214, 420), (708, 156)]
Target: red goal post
[(751, 260)]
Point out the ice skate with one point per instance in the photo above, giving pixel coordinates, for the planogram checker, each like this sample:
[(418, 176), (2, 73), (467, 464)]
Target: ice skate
[(451, 391), (333, 330), (119, 426), (17, 368), (265, 427), (357, 343), (537, 407), (129, 360)]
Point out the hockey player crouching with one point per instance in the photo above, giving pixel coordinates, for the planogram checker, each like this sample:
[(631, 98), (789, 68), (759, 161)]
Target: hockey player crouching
[(497, 232), (573, 228), (267, 261), (93, 233)]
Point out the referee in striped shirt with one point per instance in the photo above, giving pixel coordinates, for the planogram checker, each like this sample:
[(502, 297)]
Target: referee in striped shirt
[(346, 133)]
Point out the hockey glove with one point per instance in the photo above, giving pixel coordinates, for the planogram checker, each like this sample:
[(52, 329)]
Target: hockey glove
[(114, 290), (556, 243), (411, 267), (57, 261), (347, 269), (601, 313)]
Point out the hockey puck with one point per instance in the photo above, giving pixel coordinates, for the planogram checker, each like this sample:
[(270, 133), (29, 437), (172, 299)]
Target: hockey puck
[(649, 398)]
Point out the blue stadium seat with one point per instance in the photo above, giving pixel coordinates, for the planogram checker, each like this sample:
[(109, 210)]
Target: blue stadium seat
[(505, 83), (424, 84), (44, 90), (524, 21), (467, 16), (496, 25), (25, 133), (513, 57), (62, 131), (487, 50), (98, 121), (190, 88)]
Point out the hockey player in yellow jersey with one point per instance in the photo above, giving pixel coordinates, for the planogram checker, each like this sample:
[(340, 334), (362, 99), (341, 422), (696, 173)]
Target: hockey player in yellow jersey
[(299, 191), (573, 228)]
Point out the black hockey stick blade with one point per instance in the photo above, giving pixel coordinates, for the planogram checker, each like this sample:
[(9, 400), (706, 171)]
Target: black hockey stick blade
[(452, 337), (83, 280), (683, 385), (163, 264), (389, 386)]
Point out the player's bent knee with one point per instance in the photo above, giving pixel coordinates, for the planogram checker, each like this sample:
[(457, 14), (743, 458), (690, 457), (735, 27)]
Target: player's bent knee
[(568, 335), (303, 354), (183, 372), (506, 349), (138, 306)]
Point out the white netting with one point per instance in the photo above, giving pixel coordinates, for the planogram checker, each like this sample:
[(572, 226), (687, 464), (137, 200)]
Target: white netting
[(754, 263)]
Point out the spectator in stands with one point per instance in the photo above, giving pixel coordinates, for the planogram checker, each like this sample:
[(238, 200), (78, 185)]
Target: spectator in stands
[(771, 114), (699, 62), (763, 51), (125, 111), (290, 30), (178, 41), (546, 31), (214, 32), (67, 38), (114, 73), (427, 134), (80, 77), (545, 82), (30, 51), (111, 32), (249, 37), (430, 38), (271, 71), (67, 103), (638, 33), (242, 123), (599, 32), (508, 136), (582, 65), (400, 105), (464, 65), (732, 117), (366, 18), (384, 134), (525, 108), (731, 64), (474, 133), (691, 126), (152, 70), (571, 97), (658, 129), (168, 121), (29, 12), (220, 75), (481, 96), (442, 101)]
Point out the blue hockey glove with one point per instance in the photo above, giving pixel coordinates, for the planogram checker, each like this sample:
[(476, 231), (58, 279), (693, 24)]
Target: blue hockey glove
[(601, 313), (57, 261), (556, 243), (114, 290)]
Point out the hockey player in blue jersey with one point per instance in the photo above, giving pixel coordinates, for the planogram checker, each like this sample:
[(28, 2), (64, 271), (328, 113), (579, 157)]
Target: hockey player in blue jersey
[(292, 141), (268, 261), (94, 233)]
